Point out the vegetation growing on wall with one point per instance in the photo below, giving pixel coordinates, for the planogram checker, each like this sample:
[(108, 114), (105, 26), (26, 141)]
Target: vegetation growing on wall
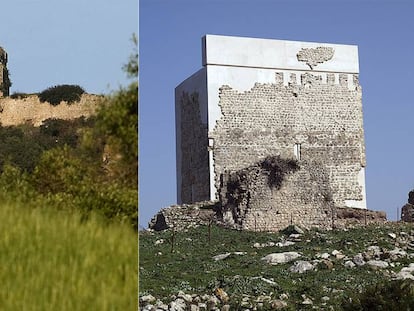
[(237, 184)]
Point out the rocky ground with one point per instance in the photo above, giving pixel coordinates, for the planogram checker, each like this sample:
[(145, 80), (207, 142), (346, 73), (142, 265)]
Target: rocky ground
[(218, 269)]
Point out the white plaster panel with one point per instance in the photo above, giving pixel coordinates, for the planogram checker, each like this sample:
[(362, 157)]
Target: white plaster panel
[(275, 54), (359, 203)]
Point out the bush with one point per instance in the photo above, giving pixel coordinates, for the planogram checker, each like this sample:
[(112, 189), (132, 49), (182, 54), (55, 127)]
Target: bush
[(18, 95), (23, 145), (69, 181), (389, 295), (56, 94)]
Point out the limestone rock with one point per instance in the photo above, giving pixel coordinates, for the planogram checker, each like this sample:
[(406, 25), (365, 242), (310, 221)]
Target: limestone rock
[(222, 295), (221, 256), (373, 251), (397, 253), (377, 264), (306, 300), (406, 272), (323, 255), (261, 245), (285, 243), (147, 299), (178, 305), (349, 264), (160, 241), (337, 254), (359, 260), (277, 258), (301, 267), (326, 264), (186, 297), (194, 308), (278, 304), (392, 235)]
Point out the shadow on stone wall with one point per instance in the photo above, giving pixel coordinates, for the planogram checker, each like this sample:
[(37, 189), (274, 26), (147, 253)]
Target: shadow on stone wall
[(269, 195)]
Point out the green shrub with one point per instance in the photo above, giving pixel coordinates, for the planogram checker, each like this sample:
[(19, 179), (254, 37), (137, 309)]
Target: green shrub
[(56, 94), (58, 170), (389, 295), (68, 180), (23, 145), (18, 148), (19, 95)]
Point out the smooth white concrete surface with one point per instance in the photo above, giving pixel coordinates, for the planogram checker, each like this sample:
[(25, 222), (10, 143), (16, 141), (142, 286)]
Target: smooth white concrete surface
[(274, 54)]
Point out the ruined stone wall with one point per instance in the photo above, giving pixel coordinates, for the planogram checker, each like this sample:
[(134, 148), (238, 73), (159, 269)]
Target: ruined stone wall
[(4, 74), (320, 116), (180, 217), (195, 175), (407, 211), (31, 110), (256, 199)]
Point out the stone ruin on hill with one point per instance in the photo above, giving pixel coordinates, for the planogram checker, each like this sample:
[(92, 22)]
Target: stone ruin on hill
[(29, 109), (4, 74), (273, 131), (407, 211)]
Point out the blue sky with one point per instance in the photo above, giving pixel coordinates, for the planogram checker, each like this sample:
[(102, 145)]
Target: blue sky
[(80, 42), (170, 51)]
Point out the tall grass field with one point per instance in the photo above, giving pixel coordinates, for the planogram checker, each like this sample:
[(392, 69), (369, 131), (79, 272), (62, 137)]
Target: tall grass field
[(56, 260)]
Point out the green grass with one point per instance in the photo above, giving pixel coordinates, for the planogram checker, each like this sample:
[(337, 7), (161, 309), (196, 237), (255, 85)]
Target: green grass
[(188, 265), (55, 260)]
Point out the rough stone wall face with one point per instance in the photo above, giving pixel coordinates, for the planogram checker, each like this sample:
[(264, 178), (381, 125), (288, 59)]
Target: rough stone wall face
[(194, 162), (319, 117), (303, 198), (31, 110), (407, 211), (4, 74), (180, 217), (314, 56)]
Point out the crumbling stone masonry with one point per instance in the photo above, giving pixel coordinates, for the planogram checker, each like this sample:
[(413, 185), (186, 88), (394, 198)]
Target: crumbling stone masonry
[(4, 74), (181, 217), (257, 99), (407, 211)]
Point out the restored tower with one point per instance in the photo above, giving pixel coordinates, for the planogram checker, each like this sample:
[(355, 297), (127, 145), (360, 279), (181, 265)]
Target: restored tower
[(256, 98), (4, 74)]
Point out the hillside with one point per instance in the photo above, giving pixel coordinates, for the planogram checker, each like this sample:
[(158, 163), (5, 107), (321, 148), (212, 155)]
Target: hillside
[(221, 269)]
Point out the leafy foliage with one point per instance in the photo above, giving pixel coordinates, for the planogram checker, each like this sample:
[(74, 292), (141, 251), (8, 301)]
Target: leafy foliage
[(19, 95), (23, 145), (394, 295), (65, 92), (277, 168)]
